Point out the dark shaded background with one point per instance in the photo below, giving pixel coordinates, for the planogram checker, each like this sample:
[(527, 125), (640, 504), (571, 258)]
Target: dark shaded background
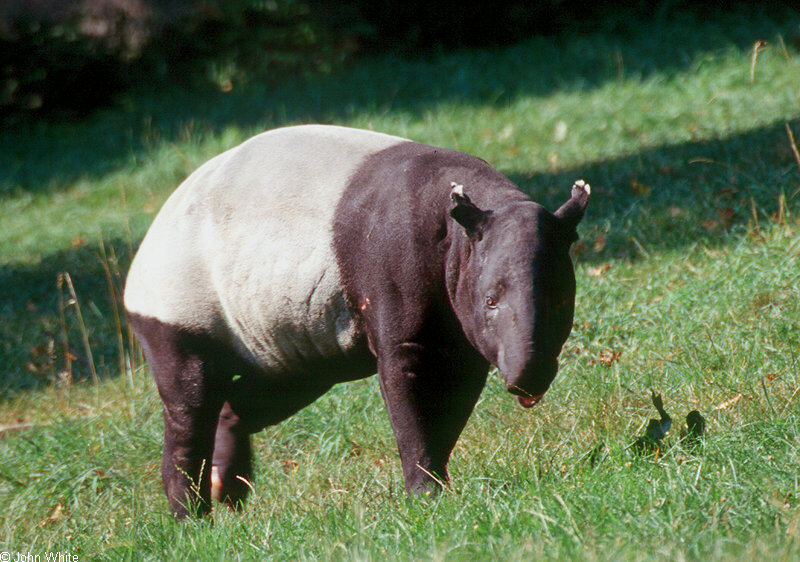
[(68, 57)]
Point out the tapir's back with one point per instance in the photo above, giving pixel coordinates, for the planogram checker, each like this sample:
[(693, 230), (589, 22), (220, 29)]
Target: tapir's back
[(243, 249)]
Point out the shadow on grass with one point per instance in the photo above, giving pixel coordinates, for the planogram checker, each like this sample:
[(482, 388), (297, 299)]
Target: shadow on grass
[(37, 317), (668, 198), (704, 193), (42, 157)]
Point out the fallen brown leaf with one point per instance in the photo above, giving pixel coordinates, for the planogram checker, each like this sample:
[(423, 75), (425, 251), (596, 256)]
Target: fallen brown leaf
[(640, 189), (598, 271), (726, 216), (608, 357), (728, 403), (54, 516), (578, 248), (599, 243), (290, 466), (726, 192)]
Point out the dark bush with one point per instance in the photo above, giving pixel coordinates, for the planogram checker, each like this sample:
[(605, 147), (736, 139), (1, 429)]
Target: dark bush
[(248, 38), (458, 23), (62, 56), (413, 25), (49, 67), (67, 57)]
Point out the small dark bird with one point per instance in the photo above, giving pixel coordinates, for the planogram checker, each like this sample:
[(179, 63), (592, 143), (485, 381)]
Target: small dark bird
[(656, 430), (695, 428)]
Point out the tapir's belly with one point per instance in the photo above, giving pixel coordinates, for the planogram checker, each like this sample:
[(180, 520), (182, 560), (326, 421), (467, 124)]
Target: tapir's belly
[(243, 250)]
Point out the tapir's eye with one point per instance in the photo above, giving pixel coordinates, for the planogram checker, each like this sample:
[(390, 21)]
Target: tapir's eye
[(491, 302)]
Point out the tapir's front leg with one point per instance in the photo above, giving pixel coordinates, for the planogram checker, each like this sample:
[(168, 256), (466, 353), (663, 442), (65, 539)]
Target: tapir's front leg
[(429, 402)]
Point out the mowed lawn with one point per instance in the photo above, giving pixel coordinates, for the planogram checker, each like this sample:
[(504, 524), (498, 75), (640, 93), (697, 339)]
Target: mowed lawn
[(688, 274)]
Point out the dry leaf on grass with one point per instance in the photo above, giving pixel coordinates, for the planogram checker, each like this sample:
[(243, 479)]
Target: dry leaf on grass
[(726, 216), (55, 515), (728, 403), (598, 271), (290, 466), (726, 192), (578, 248), (640, 189), (607, 357), (599, 243)]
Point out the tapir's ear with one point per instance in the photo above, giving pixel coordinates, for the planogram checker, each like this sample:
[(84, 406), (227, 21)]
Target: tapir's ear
[(466, 213), (571, 212)]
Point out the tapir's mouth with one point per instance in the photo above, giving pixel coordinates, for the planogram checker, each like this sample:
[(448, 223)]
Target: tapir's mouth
[(525, 399), (529, 401), (530, 385)]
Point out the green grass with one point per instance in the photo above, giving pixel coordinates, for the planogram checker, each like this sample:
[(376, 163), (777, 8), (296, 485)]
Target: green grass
[(688, 283)]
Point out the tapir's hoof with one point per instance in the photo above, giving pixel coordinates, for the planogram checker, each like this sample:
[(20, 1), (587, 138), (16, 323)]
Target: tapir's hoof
[(216, 484), (231, 494)]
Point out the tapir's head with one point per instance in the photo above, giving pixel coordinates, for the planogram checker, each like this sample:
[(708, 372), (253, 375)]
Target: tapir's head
[(515, 291)]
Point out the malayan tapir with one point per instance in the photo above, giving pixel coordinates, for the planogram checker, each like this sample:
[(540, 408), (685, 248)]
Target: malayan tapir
[(312, 255)]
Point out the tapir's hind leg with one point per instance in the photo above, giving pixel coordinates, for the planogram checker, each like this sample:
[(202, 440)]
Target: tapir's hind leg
[(232, 468), (252, 404), (191, 386)]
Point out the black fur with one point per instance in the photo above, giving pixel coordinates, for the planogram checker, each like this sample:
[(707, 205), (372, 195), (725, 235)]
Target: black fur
[(420, 280)]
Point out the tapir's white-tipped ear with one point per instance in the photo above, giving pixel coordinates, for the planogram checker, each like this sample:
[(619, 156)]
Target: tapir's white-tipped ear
[(456, 191), (465, 213), (571, 212), (580, 184)]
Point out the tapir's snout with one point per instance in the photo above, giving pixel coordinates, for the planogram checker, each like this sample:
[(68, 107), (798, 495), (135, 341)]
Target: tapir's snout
[(532, 382)]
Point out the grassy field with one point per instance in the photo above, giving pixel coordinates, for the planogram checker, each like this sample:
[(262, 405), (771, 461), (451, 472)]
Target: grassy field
[(688, 283)]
